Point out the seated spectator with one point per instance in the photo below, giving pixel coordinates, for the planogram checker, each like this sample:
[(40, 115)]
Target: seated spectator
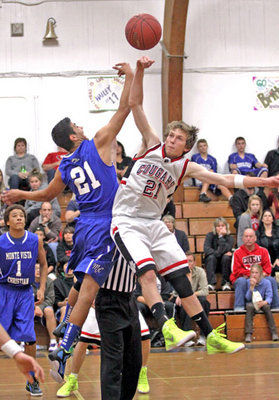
[(32, 207), (52, 161), (51, 263), (251, 217), (19, 165), (268, 237), (200, 288), (62, 286), (47, 220), (181, 236), (217, 249), (45, 309), (273, 201), (259, 297), (272, 161), (242, 163), (210, 163), (72, 212), (243, 258), (122, 161), (239, 200), (64, 248), (170, 208)]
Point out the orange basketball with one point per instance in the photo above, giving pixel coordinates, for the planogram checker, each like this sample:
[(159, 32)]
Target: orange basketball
[(143, 31)]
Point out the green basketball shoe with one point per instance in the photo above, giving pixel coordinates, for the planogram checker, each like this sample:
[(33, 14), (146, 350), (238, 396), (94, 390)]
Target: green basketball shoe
[(175, 337), (143, 385), (70, 386), (216, 342)]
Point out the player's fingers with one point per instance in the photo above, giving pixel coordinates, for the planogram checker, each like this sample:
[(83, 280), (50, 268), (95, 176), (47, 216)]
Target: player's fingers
[(39, 373), (29, 377)]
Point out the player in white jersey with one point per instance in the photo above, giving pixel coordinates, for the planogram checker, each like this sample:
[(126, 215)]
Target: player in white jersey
[(143, 239)]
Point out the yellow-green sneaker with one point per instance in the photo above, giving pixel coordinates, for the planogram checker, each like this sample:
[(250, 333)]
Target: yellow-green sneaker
[(216, 342), (70, 386), (175, 337), (143, 385)]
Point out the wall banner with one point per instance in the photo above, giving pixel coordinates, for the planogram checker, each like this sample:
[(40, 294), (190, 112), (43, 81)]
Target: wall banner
[(267, 93), (104, 92)]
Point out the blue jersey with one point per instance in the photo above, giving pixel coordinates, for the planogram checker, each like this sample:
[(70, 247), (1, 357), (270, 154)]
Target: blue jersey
[(93, 182), (18, 258), (210, 164), (245, 164)]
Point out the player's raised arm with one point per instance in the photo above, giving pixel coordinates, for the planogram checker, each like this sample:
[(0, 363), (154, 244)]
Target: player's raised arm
[(104, 137), (232, 181), (150, 137), (55, 187)]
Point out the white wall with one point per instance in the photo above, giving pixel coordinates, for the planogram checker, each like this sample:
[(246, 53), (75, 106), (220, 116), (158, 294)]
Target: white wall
[(227, 42)]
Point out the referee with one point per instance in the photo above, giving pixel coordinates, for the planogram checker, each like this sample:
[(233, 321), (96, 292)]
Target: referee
[(118, 320)]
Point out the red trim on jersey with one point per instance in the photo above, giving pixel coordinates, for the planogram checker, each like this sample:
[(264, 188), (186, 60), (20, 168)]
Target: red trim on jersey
[(114, 230), (144, 260), (91, 335), (173, 266), (123, 182), (144, 330), (183, 171), (148, 151), (171, 159)]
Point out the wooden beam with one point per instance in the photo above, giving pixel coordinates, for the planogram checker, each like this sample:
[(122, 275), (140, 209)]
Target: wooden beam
[(175, 15)]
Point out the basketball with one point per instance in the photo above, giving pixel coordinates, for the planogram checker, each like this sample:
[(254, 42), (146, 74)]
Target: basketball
[(143, 31)]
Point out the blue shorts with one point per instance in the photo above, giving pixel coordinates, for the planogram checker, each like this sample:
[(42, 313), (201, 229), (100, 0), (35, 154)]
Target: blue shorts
[(17, 312), (93, 249), (256, 171)]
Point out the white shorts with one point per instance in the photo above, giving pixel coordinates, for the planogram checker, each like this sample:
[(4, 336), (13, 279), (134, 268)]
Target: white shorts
[(148, 244), (90, 329)]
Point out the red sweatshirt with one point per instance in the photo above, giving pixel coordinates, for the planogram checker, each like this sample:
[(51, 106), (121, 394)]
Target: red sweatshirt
[(243, 259)]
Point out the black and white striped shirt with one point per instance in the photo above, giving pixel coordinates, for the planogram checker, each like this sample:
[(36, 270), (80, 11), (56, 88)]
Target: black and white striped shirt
[(121, 278)]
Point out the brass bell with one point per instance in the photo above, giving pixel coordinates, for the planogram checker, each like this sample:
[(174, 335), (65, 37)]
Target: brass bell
[(50, 34)]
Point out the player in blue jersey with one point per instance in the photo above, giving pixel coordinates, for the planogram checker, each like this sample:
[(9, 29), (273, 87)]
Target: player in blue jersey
[(242, 163), (210, 163), (19, 250), (89, 172)]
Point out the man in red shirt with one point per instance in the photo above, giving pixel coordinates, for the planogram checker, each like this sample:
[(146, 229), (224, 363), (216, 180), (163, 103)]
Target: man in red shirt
[(243, 258), (52, 161)]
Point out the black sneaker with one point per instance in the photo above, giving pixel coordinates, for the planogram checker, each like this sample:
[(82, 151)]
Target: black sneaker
[(204, 198), (60, 330), (34, 388), (58, 360)]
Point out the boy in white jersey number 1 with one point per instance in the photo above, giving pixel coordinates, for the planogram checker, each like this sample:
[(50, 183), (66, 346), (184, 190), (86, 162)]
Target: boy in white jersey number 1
[(143, 238)]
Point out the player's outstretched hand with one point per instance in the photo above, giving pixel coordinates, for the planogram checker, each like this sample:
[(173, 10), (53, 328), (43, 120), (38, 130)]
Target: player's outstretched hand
[(26, 364), (144, 62), (272, 181), (11, 196), (123, 68)]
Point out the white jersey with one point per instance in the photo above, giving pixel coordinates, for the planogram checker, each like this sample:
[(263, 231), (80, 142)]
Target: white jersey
[(151, 180)]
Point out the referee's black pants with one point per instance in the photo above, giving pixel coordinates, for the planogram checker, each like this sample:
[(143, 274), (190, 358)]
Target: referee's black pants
[(121, 359)]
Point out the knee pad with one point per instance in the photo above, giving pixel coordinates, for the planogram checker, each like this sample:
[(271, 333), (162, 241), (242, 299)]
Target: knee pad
[(181, 284), (77, 286)]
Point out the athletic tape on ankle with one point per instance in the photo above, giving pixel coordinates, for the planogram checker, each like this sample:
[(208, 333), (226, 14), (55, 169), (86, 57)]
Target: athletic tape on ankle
[(11, 348), (238, 181)]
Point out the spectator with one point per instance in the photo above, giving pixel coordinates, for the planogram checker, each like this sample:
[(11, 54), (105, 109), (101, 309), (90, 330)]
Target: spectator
[(62, 286), (259, 297), (251, 217), (19, 165), (122, 161), (239, 200), (242, 163), (268, 237), (3, 228), (170, 208), (51, 263), (218, 247), (273, 201), (47, 220), (64, 248), (200, 288), (52, 161), (72, 212), (243, 258), (32, 207), (272, 161), (210, 163), (181, 236), (45, 309)]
